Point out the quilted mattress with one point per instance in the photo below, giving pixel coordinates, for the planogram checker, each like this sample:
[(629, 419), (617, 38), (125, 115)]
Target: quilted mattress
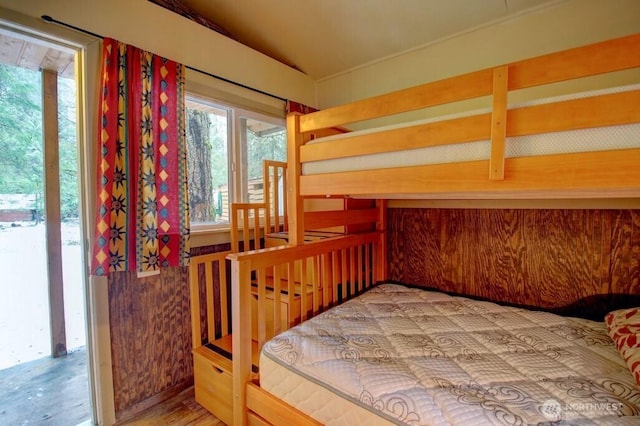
[(398, 355)]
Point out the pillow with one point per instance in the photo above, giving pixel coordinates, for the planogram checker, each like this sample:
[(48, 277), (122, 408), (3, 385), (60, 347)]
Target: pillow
[(624, 329)]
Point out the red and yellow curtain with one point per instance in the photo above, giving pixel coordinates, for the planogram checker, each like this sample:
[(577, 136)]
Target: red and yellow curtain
[(142, 213)]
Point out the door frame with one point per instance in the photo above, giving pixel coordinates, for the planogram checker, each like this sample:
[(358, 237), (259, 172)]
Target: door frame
[(87, 63)]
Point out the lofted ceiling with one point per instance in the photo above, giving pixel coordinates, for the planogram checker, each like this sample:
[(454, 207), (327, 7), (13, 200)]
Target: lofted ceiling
[(318, 37), (326, 37)]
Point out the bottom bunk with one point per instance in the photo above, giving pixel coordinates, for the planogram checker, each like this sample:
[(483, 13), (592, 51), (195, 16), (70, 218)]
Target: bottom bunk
[(399, 355)]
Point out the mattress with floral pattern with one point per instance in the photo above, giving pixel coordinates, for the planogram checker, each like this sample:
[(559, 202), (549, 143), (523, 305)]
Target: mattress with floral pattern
[(402, 355)]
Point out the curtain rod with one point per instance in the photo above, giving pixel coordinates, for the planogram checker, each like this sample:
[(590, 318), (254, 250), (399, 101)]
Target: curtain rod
[(49, 19)]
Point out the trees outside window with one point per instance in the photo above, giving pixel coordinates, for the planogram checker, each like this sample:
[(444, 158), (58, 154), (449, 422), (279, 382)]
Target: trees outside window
[(207, 161), (21, 162), (226, 147)]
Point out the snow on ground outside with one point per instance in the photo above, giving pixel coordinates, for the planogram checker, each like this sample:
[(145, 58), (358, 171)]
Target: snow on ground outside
[(24, 307)]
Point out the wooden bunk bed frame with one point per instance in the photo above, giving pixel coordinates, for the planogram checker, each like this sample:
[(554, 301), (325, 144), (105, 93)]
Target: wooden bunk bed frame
[(337, 268), (581, 175), (256, 226)]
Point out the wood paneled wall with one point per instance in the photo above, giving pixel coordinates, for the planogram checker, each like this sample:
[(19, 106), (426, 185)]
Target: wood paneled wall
[(150, 336), (543, 258)]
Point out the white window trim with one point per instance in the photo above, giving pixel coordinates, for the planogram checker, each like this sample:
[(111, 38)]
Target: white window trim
[(200, 232)]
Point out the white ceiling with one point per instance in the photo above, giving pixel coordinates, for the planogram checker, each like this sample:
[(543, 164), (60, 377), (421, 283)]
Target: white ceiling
[(326, 37)]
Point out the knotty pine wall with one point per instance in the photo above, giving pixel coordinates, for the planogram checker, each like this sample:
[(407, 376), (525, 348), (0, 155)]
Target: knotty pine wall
[(544, 258), (150, 336)]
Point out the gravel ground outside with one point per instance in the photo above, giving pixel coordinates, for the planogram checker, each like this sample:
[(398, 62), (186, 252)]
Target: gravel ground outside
[(24, 306)]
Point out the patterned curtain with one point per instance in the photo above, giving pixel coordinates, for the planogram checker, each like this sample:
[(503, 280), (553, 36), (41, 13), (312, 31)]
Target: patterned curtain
[(142, 213)]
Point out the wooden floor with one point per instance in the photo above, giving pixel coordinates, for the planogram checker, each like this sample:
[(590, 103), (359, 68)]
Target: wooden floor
[(46, 391), (55, 392), (181, 410)]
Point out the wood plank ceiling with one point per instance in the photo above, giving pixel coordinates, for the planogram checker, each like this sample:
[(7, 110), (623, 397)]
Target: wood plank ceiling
[(33, 54)]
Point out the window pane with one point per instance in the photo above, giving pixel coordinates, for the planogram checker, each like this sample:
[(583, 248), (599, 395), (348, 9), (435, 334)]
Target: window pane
[(207, 128), (265, 141)]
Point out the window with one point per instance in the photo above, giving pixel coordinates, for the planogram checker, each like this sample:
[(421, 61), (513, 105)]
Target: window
[(226, 147), (259, 141), (208, 130)]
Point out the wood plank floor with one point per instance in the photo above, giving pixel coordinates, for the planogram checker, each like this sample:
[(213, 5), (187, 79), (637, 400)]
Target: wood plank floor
[(181, 410), (47, 391), (55, 392)]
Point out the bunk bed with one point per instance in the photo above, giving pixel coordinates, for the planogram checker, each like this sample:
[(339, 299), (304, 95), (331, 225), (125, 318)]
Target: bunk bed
[(344, 271), (257, 226), (557, 147)]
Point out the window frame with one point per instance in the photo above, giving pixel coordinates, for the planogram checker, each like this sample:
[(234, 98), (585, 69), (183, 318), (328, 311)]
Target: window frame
[(196, 227), (240, 143), (237, 151)]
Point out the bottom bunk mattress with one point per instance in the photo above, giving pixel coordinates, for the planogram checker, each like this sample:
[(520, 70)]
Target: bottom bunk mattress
[(408, 356)]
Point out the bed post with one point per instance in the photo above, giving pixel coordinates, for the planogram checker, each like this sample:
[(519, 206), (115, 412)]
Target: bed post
[(194, 297), (498, 122), (381, 250), (294, 201), (241, 337)]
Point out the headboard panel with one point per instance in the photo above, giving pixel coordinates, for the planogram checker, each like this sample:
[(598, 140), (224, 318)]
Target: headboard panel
[(553, 259)]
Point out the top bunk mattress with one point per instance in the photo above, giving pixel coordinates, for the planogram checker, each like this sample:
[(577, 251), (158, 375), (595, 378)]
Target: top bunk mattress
[(583, 140), (419, 357)]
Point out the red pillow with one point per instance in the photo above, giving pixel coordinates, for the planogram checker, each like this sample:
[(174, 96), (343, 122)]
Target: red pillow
[(624, 329)]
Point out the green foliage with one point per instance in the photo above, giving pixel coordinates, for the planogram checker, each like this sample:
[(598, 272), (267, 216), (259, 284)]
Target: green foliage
[(219, 154), (68, 149), (20, 131), (21, 141), (271, 146)]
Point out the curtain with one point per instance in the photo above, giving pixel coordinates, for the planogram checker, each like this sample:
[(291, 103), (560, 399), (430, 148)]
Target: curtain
[(292, 106), (142, 208)]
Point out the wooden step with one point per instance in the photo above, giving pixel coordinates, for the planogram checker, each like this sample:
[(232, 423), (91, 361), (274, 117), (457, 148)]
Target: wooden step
[(220, 352)]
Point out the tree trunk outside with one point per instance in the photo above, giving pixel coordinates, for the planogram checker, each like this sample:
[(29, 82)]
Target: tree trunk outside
[(201, 200)]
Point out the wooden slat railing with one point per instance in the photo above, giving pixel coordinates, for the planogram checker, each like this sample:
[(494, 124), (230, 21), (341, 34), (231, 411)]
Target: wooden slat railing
[(341, 267), (208, 282), (275, 194), (245, 226), (470, 179), (596, 111), (598, 58)]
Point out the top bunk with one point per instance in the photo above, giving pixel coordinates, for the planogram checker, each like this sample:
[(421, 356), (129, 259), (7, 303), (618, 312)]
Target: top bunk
[(578, 145)]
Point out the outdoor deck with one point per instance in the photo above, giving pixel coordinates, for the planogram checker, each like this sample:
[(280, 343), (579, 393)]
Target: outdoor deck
[(47, 391), (55, 392)]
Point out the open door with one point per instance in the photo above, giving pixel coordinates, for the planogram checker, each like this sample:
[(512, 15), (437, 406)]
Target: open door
[(42, 272)]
